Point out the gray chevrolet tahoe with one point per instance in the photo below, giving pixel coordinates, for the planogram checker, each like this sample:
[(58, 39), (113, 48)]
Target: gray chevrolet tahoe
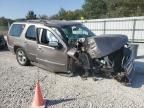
[(70, 47)]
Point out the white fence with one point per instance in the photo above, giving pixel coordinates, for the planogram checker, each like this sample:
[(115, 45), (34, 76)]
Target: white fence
[(133, 27)]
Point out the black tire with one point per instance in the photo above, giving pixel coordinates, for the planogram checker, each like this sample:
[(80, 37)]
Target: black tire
[(22, 57), (85, 65)]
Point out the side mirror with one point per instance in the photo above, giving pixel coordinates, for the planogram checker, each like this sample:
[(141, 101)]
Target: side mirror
[(55, 44)]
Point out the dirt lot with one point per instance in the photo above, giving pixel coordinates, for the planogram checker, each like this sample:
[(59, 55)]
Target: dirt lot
[(17, 88)]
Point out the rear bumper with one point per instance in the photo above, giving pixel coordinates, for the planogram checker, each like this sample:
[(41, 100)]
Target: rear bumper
[(11, 49)]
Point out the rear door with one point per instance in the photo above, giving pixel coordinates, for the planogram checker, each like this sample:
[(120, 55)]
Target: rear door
[(31, 43), (54, 59)]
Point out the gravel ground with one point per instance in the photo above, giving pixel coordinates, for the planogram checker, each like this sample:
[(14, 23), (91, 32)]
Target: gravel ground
[(17, 88)]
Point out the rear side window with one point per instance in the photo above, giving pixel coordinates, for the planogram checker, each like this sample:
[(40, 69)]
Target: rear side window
[(16, 30), (31, 33)]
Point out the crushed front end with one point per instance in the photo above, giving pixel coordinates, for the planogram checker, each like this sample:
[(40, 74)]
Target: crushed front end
[(106, 55)]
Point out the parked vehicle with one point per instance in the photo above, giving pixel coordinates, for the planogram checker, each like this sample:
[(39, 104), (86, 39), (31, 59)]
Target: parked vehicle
[(69, 47), (2, 42)]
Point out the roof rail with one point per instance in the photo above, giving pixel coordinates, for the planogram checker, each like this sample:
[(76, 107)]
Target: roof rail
[(38, 21)]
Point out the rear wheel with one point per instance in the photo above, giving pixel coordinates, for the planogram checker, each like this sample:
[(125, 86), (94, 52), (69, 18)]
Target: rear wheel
[(21, 57)]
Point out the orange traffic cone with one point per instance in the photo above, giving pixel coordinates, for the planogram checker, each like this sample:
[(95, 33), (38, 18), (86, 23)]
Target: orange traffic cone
[(38, 100)]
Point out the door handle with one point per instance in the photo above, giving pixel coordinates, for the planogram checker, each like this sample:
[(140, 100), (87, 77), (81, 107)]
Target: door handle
[(39, 47), (26, 43)]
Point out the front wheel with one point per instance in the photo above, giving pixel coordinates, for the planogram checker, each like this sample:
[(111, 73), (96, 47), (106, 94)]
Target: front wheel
[(21, 57)]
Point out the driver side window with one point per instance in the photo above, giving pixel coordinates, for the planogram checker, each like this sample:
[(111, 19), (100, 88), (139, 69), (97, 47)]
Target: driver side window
[(48, 37)]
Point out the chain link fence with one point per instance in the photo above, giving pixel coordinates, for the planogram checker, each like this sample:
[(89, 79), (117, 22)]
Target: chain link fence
[(133, 27)]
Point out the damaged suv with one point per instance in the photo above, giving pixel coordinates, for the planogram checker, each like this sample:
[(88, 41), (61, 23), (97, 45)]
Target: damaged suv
[(67, 48)]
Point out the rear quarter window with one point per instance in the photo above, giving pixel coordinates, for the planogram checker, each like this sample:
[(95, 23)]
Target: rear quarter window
[(16, 30)]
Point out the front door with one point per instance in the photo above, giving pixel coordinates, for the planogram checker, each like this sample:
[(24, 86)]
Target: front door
[(53, 58)]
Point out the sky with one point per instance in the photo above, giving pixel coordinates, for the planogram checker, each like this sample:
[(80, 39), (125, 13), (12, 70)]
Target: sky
[(19, 8)]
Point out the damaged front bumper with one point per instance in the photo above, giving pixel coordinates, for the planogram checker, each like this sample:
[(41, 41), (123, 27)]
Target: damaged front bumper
[(128, 66)]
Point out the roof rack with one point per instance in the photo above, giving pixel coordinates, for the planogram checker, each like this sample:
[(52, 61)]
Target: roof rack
[(56, 23), (38, 21)]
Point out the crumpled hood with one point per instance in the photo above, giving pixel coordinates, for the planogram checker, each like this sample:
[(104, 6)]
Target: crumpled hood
[(103, 45)]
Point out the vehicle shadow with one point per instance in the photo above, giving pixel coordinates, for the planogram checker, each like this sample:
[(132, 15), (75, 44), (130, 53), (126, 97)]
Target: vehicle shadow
[(138, 79), (55, 102), (85, 75)]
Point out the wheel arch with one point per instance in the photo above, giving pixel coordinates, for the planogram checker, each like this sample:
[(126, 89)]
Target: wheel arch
[(16, 47)]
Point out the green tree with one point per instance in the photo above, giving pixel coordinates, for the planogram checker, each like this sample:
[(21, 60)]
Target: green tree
[(43, 17), (95, 8), (62, 14), (134, 7), (112, 8), (68, 15), (78, 14), (54, 17), (31, 15), (4, 21), (124, 8)]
